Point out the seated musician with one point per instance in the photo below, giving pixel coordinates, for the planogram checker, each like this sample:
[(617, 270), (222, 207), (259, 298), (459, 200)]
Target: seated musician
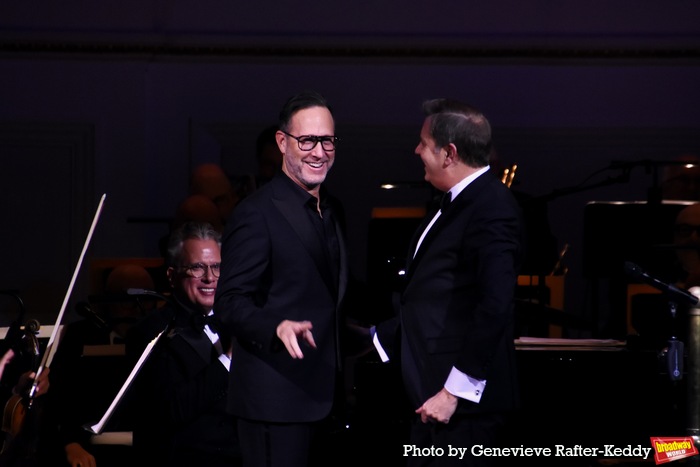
[(85, 385), (25, 380), (179, 395), (19, 442)]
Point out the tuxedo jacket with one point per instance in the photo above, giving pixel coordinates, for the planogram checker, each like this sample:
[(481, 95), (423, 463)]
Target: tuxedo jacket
[(179, 403), (456, 307), (275, 266)]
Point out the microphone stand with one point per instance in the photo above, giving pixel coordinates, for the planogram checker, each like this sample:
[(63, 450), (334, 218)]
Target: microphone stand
[(674, 353)]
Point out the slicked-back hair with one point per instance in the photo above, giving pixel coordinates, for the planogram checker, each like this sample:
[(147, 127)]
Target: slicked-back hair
[(301, 101), (462, 125), (188, 231)]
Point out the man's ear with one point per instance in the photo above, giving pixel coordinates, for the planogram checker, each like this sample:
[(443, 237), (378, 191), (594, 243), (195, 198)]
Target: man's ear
[(281, 141), (450, 154), (170, 273)]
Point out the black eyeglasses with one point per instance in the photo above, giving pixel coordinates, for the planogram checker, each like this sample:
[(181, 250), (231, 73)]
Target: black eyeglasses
[(686, 230), (198, 270), (308, 142)]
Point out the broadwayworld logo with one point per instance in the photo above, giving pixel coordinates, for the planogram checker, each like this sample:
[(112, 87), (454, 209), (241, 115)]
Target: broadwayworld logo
[(673, 449)]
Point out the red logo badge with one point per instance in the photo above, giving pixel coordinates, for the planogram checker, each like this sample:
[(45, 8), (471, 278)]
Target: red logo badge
[(673, 449)]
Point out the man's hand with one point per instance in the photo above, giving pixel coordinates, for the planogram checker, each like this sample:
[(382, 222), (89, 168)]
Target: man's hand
[(6, 359), (26, 380), (79, 457), (438, 408), (289, 332)]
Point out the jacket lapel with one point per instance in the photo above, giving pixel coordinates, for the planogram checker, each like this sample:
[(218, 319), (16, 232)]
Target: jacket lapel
[(183, 329), (297, 217), (456, 208)]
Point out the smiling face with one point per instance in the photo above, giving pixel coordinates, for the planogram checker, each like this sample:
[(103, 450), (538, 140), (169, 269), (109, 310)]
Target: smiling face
[(198, 291), (433, 159), (307, 168)]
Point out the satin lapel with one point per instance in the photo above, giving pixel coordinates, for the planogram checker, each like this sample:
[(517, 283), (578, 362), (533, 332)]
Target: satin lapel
[(182, 328), (298, 220), (416, 235), (198, 341), (456, 208)]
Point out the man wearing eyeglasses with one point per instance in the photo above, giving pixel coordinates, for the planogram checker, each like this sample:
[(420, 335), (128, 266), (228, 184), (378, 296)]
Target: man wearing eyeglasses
[(283, 279), (179, 396)]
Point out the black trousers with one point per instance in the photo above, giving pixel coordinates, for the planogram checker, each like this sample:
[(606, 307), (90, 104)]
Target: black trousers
[(443, 445), (265, 444)]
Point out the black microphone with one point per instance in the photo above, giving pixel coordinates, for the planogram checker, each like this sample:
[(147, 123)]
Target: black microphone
[(151, 293), (83, 309), (132, 291), (669, 289)]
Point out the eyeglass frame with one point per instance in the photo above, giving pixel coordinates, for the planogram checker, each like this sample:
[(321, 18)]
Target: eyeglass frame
[(316, 139), (205, 267)]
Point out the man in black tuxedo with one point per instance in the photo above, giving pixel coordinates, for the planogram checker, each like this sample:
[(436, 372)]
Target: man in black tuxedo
[(283, 279), (455, 325), (179, 396)]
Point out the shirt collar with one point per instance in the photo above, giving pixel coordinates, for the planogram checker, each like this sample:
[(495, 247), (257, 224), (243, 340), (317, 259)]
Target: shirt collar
[(457, 189)]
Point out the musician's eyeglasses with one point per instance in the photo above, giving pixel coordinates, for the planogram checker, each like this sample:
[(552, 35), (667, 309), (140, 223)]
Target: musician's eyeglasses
[(308, 142), (198, 270), (686, 230)]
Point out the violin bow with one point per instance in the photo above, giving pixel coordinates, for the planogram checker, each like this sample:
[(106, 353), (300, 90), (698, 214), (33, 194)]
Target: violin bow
[(50, 349)]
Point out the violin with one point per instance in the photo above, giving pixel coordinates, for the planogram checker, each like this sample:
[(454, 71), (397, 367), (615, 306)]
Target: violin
[(22, 411), (25, 345)]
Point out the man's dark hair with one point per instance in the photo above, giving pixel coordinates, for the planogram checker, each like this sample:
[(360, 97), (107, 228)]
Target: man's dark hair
[(301, 101), (462, 125), (187, 231)]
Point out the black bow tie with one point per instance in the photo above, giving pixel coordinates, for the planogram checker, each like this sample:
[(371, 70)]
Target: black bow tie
[(199, 321), (445, 201)]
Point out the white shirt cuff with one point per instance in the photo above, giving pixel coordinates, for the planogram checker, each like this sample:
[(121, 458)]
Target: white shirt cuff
[(378, 346), (462, 385)]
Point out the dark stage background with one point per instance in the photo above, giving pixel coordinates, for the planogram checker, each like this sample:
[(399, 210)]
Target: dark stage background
[(591, 99)]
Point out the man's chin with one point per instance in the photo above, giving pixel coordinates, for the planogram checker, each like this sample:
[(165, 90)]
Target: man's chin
[(314, 181)]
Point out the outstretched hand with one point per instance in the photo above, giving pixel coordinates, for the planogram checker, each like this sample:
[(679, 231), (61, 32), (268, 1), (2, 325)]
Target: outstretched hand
[(289, 332)]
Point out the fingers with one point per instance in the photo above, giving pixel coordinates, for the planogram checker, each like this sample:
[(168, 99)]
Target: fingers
[(425, 417), (309, 338), (289, 333), (7, 358), (431, 415), (292, 346)]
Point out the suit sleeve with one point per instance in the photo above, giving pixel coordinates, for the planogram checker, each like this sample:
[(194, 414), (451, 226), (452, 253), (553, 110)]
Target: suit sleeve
[(245, 279), (495, 245)]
